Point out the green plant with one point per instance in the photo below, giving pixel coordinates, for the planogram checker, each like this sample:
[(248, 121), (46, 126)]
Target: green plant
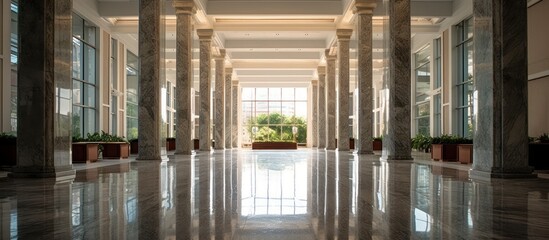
[(543, 138), (100, 137), (449, 139), (6, 138), (276, 127), (380, 138), (421, 142)]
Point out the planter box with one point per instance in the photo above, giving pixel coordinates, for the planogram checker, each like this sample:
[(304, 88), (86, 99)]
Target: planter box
[(8, 154), (134, 147), (538, 155), (465, 153), (85, 152), (170, 144), (274, 145), (116, 150), (444, 152), (377, 145)]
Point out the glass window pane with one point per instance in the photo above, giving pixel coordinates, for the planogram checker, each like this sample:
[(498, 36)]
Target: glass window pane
[(262, 93), (287, 93), (77, 89), (89, 95), (288, 108), (77, 122), (89, 120), (248, 94), (301, 109), (77, 28), (89, 32), (90, 64), (423, 110), (301, 94), (275, 94), (77, 52), (132, 60)]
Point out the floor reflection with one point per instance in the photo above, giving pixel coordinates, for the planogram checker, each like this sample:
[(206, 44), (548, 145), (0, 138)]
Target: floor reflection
[(306, 194)]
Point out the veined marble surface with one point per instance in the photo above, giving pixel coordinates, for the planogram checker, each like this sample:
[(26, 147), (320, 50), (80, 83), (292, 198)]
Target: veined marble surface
[(244, 194)]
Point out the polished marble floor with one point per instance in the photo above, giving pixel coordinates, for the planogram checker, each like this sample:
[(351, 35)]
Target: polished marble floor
[(303, 194)]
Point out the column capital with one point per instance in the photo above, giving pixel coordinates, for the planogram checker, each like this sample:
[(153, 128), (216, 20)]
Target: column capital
[(222, 54), (328, 56), (321, 70), (365, 7), (344, 34), (235, 83), (228, 70), (204, 34), (184, 7), (314, 82)]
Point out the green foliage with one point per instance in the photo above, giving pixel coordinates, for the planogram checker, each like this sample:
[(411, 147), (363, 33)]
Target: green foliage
[(132, 133), (543, 138), (276, 127), (421, 142), (6, 138), (380, 138), (100, 137), (449, 139)]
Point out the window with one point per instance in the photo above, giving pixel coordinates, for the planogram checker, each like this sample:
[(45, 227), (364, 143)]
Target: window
[(437, 104), (114, 86), (84, 77), (13, 58), (132, 91), (422, 92), (465, 78), (270, 114)]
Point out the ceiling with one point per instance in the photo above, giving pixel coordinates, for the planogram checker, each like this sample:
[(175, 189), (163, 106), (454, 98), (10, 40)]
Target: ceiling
[(275, 41)]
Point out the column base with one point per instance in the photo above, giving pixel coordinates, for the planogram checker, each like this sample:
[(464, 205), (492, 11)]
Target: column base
[(487, 176), (61, 174), (364, 152), (161, 158), (343, 149)]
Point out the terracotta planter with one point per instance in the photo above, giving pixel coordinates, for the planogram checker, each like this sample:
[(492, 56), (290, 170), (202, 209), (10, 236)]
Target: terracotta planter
[(377, 145), (134, 147), (465, 153), (85, 152), (116, 150), (8, 154), (444, 152), (538, 155), (170, 144), (274, 145)]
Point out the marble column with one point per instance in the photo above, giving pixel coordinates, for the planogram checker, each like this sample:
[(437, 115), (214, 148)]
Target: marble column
[(330, 101), (343, 38), (228, 106), (500, 148), (44, 90), (314, 83), (219, 107), (321, 107), (150, 109), (364, 10), (234, 116), (184, 78), (396, 142), (205, 37)]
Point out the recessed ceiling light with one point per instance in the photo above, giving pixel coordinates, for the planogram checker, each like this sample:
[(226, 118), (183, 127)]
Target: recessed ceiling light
[(247, 34), (251, 49), (306, 34), (277, 34), (299, 49)]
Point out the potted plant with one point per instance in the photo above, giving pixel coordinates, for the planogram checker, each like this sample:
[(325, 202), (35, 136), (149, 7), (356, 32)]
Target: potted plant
[(538, 151), (377, 143), (422, 143), (8, 149), (445, 147), (113, 147), (84, 150), (170, 144), (465, 151)]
